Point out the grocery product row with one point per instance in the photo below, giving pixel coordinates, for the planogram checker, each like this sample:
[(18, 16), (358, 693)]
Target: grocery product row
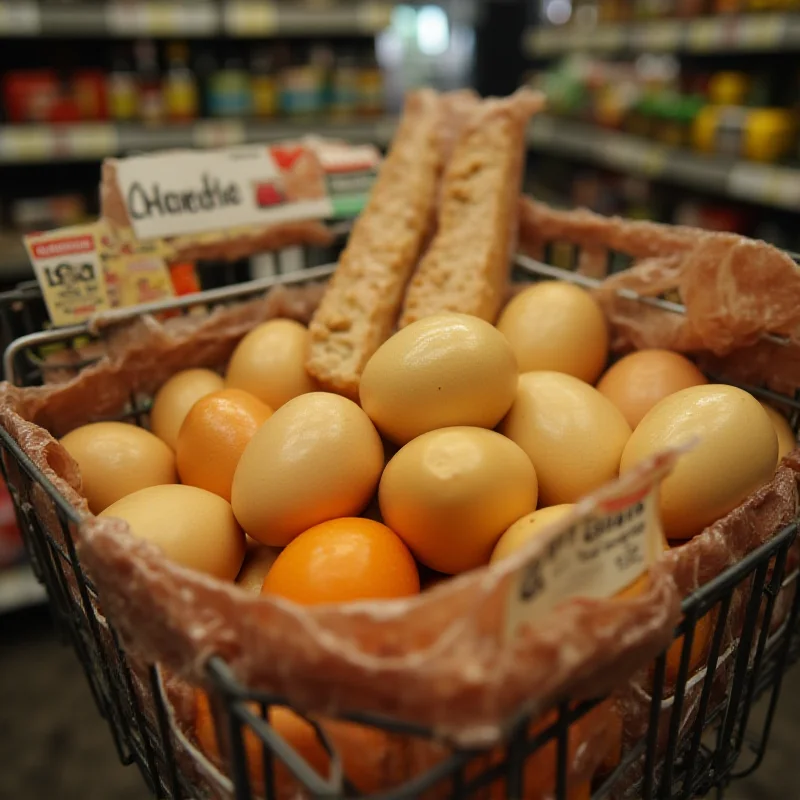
[(747, 33), (153, 84), (740, 115), (237, 18)]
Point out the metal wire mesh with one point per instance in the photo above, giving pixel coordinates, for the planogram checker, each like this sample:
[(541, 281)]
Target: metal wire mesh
[(713, 748)]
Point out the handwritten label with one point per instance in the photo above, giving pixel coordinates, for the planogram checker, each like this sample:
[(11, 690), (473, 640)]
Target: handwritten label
[(185, 192), (607, 546), (69, 270)]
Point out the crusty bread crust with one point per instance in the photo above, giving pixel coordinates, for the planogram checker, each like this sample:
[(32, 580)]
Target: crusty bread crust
[(466, 268), (361, 305)]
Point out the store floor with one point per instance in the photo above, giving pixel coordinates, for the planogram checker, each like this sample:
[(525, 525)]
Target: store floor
[(54, 745)]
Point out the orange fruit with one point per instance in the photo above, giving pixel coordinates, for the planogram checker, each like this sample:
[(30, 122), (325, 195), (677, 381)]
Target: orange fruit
[(213, 436), (343, 560), (363, 749)]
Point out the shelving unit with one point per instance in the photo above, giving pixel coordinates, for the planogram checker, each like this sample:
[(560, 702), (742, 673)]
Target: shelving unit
[(777, 187), (199, 18), (28, 144), (722, 34), (19, 589)]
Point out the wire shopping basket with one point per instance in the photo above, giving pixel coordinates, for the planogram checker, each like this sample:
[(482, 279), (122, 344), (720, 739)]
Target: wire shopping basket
[(719, 744)]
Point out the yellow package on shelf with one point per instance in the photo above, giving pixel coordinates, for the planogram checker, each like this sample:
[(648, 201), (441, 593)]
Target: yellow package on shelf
[(758, 134)]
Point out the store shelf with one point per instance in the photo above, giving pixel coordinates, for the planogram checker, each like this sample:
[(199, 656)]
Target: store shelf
[(746, 33), (21, 144), (19, 589), (238, 18), (777, 187)]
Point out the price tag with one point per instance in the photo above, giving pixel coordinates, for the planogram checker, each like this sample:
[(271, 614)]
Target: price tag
[(19, 18), (761, 31), (604, 546), (244, 18), (705, 35), (126, 18), (374, 17), (769, 185), (609, 38), (27, 143), (88, 141), (69, 270), (665, 35), (218, 134)]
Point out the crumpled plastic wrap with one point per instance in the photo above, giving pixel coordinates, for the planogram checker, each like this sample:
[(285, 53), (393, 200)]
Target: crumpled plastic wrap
[(735, 290), (438, 659)]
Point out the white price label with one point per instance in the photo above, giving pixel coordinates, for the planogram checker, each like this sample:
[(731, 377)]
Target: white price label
[(374, 17), (769, 185), (704, 35), (604, 546), (665, 35), (27, 143), (761, 31), (126, 18), (19, 18), (88, 141), (609, 38), (218, 134), (245, 18), (634, 156)]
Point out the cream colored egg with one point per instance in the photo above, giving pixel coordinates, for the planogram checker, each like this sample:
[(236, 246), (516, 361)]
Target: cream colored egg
[(270, 362), (444, 370), (193, 527), (258, 561), (786, 438), (176, 397), (735, 453), (316, 458), (573, 435), (450, 494), (116, 459), (555, 325), (526, 528)]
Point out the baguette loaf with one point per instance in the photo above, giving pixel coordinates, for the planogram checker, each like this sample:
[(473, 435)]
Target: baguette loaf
[(362, 302), (466, 268)]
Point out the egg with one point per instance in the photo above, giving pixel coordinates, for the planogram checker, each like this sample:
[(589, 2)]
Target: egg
[(441, 371), (193, 527), (316, 458), (449, 494), (258, 560), (639, 380), (554, 325), (784, 432), (735, 452), (270, 362), (176, 397), (524, 529), (116, 459), (573, 435)]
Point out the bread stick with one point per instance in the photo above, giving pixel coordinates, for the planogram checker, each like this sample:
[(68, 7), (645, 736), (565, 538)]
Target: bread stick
[(362, 302), (466, 268)]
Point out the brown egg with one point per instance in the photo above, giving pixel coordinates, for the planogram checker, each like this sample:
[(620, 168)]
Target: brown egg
[(270, 362), (555, 325), (735, 453), (175, 398), (450, 494), (193, 527), (524, 529), (640, 380), (318, 457), (786, 438), (117, 459), (443, 370), (573, 435)]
